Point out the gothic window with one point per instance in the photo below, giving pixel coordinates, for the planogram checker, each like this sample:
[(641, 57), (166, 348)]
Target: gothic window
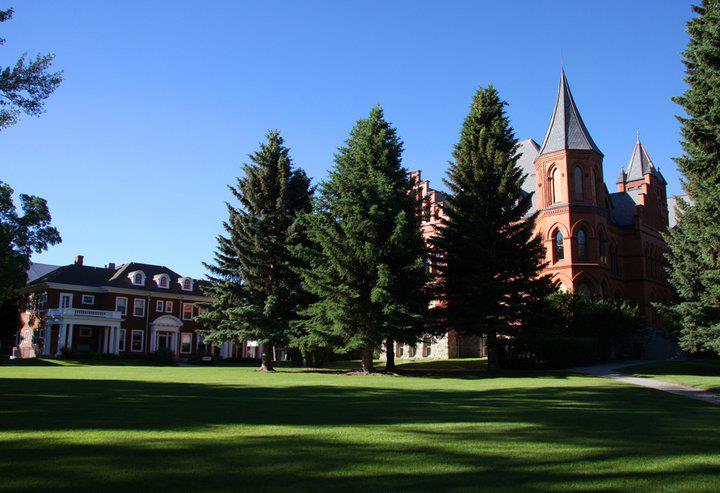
[(558, 246), (593, 192), (581, 244), (577, 183), (555, 186)]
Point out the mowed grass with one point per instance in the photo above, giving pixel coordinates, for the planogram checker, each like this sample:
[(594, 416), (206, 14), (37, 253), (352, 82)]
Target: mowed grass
[(702, 374), (143, 428)]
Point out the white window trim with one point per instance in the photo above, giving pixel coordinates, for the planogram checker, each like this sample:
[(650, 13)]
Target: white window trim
[(137, 302), (124, 312), (159, 277), (168, 307), (92, 299), (181, 343), (82, 329), (182, 280), (60, 301), (132, 278), (142, 341), (192, 308), (159, 305), (121, 341)]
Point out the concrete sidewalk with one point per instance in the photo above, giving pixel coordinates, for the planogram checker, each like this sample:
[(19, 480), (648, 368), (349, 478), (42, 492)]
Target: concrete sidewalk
[(610, 370)]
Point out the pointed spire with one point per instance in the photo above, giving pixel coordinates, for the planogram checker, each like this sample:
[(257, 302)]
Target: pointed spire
[(640, 163), (566, 129)]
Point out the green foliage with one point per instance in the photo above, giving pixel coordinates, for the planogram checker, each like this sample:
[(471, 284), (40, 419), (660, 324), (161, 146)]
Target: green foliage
[(573, 330), (367, 266), (253, 285), (490, 280), (20, 236), (695, 247), (25, 86)]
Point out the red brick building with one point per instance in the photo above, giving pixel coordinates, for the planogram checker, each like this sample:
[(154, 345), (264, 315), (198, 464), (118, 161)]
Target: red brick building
[(131, 309), (601, 243)]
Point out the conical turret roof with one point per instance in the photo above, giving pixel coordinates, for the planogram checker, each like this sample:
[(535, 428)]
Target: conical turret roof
[(640, 163), (566, 129)]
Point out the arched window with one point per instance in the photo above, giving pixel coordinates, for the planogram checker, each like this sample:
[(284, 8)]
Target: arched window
[(593, 191), (555, 185), (558, 246), (577, 183), (581, 244), (601, 246)]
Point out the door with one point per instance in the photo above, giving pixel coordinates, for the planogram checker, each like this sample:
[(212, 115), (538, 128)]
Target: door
[(163, 340)]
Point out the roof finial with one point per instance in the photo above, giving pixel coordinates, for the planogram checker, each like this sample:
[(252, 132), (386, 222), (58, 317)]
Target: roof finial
[(638, 136)]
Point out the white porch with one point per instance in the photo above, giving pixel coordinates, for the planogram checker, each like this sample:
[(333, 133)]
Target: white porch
[(108, 322), (164, 332)]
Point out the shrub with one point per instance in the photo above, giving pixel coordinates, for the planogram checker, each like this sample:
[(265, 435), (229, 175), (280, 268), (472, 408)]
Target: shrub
[(162, 355), (574, 330)]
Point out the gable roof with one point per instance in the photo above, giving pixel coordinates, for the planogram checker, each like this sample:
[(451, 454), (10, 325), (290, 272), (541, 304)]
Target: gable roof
[(567, 129), (85, 275), (37, 270)]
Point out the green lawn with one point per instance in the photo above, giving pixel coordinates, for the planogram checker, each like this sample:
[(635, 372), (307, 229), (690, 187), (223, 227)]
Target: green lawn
[(148, 428), (703, 374)]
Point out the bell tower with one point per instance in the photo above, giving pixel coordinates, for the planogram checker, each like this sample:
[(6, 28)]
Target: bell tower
[(572, 199)]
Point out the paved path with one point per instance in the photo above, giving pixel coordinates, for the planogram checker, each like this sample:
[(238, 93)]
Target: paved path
[(609, 370)]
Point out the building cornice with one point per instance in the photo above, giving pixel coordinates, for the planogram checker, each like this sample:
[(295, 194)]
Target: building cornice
[(111, 289)]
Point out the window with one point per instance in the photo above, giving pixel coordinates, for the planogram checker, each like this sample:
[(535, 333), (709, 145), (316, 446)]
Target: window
[(121, 305), (121, 342), (85, 332), (168, 306), (137, 278), (88, 299), (601, 245), (136, 343), (66, 300), (581, 244), (201, 347), (159, 306), (186, 283), (185, 342), (555, 186), (593, 193), (427, 348), (187, 313), (162, 280), (577, 183), (139, 307), (558, 246)]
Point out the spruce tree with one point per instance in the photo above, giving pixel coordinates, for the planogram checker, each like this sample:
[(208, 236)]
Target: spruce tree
[(254, 289), (490, 275), (694, 259), (368, 264)]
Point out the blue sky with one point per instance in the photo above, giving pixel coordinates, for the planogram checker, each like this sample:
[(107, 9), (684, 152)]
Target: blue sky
[(163, 101)]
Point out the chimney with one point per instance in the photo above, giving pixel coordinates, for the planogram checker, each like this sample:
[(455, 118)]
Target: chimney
[(111, 266), (78, 259)]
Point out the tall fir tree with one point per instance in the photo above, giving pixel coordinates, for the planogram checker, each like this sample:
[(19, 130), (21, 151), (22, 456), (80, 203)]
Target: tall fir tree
[(254, 289), (694, 259), (490, 275), (368, 267)]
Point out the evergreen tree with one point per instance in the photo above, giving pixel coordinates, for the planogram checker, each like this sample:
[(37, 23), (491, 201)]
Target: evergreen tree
[(695, 247), (368, 270), (490, 278), (255, 292)]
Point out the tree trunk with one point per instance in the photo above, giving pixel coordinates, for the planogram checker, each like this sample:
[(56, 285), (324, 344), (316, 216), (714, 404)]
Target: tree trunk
[(266, 364), (492, 354), (389, 355), (367, 360)]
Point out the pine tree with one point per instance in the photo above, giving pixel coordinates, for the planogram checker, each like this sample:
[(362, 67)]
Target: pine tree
[(490, 273), (254, 289), (368, 270), (695, 247)]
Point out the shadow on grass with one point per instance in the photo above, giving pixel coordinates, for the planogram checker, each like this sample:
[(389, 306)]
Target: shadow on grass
[(425, 439)]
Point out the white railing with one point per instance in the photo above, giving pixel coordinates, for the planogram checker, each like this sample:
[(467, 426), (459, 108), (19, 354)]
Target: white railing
[(83, 312)]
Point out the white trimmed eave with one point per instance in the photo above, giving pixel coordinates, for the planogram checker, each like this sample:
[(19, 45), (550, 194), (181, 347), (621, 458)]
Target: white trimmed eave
[(110, 289)]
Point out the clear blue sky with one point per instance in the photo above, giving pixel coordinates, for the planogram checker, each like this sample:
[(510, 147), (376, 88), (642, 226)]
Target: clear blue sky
[(162, 101)]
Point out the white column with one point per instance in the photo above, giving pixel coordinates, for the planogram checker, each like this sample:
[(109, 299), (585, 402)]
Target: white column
[(70, 336), (116, 340), (46, 344), (62, 332)]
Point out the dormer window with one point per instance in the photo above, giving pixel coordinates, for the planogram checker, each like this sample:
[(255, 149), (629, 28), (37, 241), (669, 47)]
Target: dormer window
[(162, 281), (137, 278), (186, 284)]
